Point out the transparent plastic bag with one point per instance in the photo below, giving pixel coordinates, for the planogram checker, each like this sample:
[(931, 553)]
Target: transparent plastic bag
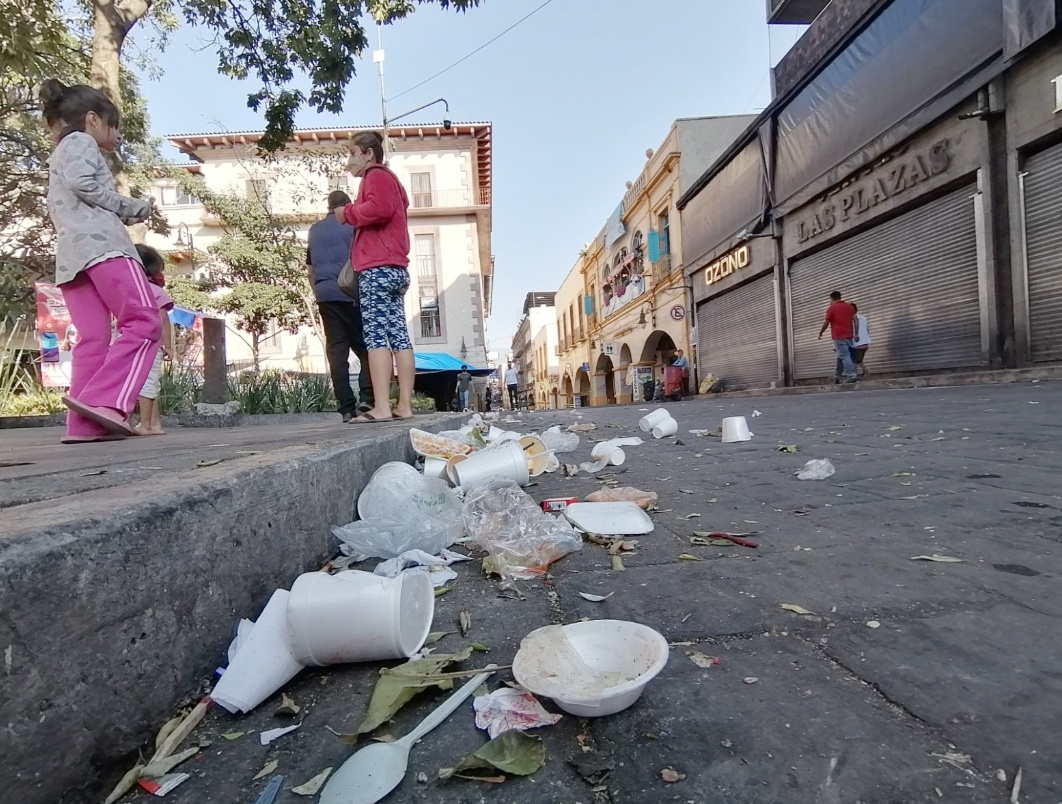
[(644, 499), (523, 540), (402, 510), (556, 441), (816, 469)]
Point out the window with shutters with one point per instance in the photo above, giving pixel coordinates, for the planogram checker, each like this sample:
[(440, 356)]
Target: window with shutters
[(430, 308), (421, 183)]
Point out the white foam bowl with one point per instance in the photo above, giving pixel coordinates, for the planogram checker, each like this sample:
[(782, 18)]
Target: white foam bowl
[(592, 668)]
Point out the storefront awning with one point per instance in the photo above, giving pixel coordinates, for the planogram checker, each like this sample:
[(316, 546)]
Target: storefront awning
[(433, 362)]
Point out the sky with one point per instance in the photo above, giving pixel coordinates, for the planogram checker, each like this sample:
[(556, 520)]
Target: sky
[(576, 93)]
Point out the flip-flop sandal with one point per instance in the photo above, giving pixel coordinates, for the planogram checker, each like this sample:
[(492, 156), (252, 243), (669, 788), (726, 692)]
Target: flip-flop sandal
[(368, 418), (90, 439), (401, 418), (109, 419)]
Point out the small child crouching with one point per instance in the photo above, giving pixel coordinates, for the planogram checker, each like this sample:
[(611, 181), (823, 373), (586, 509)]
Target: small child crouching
[(150, 414)]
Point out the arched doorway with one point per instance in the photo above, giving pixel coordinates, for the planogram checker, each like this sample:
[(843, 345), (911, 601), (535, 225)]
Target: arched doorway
[(625, 391), (554, 396), (566, 385), (658, 349), (582, 386), (604, 381)]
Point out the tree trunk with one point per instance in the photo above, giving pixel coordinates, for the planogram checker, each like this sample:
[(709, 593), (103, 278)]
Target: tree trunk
[(111, 23), (255, 361)]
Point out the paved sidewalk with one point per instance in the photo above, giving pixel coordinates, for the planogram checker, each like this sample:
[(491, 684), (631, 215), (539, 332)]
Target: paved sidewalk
[(961, 680)]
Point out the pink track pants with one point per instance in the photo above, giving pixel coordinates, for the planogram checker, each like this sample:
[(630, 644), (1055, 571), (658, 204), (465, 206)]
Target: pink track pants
[(105, 374)]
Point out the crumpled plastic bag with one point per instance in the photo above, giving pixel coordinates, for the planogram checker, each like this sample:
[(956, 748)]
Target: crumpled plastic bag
[(816, 469), (556, 441), (437, 567), (403, 511), (644, 499), (523, 540)]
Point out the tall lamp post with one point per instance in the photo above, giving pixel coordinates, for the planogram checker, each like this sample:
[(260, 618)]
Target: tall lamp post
[(447, 123), (378, 59), (184, 232)]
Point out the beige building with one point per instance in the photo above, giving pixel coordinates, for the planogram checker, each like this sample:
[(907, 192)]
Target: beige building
[(547, 365), (633, 313), (539, 316), (447, 174)]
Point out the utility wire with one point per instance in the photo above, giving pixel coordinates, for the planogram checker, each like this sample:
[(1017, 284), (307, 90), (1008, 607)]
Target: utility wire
[(470, 55)]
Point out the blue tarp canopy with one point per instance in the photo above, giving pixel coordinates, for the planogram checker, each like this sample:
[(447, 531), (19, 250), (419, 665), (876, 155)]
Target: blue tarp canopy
[(183, 317), (432, 362)]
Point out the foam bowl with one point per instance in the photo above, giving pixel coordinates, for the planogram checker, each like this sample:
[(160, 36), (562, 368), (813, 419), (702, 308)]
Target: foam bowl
[(592, 668)]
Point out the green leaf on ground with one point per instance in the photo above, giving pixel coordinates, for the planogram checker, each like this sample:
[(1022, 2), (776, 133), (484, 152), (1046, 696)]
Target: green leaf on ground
[(511, 752), (233, 735), (312, 787), (793, 607), (435, 636), (687, 557), (395, 690), (443, 590), (617, 564), (788, 448)]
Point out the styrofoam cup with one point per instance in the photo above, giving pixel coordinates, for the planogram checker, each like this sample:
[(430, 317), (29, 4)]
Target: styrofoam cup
[(504, 460), (435, 467), (357, 616), (665, 427), (651, 420), (735, 428), (615, 455), (536, 453), (263, 664)]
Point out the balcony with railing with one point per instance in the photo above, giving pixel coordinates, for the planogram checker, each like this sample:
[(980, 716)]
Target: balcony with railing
[(662, 269), (450, 199)]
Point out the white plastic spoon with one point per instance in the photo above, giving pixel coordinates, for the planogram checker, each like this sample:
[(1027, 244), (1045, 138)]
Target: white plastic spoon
[(376, 770)]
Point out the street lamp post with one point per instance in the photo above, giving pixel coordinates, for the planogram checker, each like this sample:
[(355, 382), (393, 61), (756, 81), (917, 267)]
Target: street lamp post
[(447, 123)]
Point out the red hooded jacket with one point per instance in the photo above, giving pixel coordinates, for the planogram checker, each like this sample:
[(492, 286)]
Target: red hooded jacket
[(379, 215)]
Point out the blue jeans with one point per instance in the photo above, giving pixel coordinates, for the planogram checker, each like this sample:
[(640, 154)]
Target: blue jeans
[(462, 397), (845, 363)]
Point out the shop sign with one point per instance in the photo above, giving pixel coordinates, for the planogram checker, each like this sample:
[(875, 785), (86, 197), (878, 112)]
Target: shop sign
[(890, 180), (726, 265), (1058, 93), (678, 312)]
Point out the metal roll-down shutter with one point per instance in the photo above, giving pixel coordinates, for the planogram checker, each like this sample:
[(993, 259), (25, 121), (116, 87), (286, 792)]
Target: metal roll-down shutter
[(916, 279), (1043, 247), (737, 335)]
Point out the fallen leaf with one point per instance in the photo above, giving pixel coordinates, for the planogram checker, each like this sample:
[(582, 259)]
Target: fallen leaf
[(793, 607), (1015, 791), (617, 564), (160, 767), (938, 438), (895, 427), (287, 708), (92, 473), (788, 448), (701, 660), (125, 784), (510, 752), (750, 679), (687, 557), (422, 777), (268, 736), (268, 769), (670, 775), (489, 566), (435, 636), (691, 516), (394, 690), (205, 463), (465, 621), (385, 738), (233, 735), (443, 590), (312, 787), (938, 558), (595, 598), (479, 647), (167, 730), (685, 491), (903, 474)]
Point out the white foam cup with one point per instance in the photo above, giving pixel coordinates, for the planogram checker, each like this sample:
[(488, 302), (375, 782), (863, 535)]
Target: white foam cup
[(665, 428), (651, 420), (505, 460), (735, 428)]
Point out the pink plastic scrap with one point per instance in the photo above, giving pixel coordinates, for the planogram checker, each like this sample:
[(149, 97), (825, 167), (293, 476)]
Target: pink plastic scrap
[(506, 709)]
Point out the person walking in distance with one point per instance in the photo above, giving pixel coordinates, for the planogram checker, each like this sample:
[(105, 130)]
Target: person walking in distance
[(380, 255), (97, 266), (862, 340), (840, 320), (329, 245), (464, 388), (150, 413), (512, 382)]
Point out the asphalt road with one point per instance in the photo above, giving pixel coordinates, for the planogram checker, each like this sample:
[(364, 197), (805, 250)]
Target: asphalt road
[(958, 687)]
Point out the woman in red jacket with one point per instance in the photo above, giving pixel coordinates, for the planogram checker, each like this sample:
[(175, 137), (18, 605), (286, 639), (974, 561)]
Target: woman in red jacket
[(380, 255)]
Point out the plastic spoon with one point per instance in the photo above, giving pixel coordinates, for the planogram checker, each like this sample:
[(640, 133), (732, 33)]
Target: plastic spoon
[(376, 770)]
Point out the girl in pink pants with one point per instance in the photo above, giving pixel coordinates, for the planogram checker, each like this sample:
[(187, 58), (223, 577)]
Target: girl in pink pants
[(97, 265)]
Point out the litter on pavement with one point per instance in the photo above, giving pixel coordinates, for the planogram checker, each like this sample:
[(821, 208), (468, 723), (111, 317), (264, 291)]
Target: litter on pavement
[(506, 709), (816, 469), (644, 499), (609, 518)]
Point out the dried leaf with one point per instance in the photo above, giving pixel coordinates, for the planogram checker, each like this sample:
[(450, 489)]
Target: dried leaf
[(312, 787), (287, 708), (268, 769), (385, 738), (793, 607), (465, 621), (233, 735), (617, 564), (687, 557), (720, 543), (125, 784), (510, 752), (393, 691), (707, 662), (938, 558), (160, 767), (595, 598), (670, 775), (790, 448), (167, 730), (204, 463), (435, 636)]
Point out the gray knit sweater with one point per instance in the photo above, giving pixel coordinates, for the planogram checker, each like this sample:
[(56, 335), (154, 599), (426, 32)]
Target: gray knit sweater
[(88, 215)]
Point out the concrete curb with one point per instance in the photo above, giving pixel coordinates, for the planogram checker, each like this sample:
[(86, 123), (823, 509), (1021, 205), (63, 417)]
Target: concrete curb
[(117, 602)]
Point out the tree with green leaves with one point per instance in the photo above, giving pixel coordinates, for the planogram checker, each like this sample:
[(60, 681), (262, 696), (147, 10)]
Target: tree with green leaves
[(270, 41)]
